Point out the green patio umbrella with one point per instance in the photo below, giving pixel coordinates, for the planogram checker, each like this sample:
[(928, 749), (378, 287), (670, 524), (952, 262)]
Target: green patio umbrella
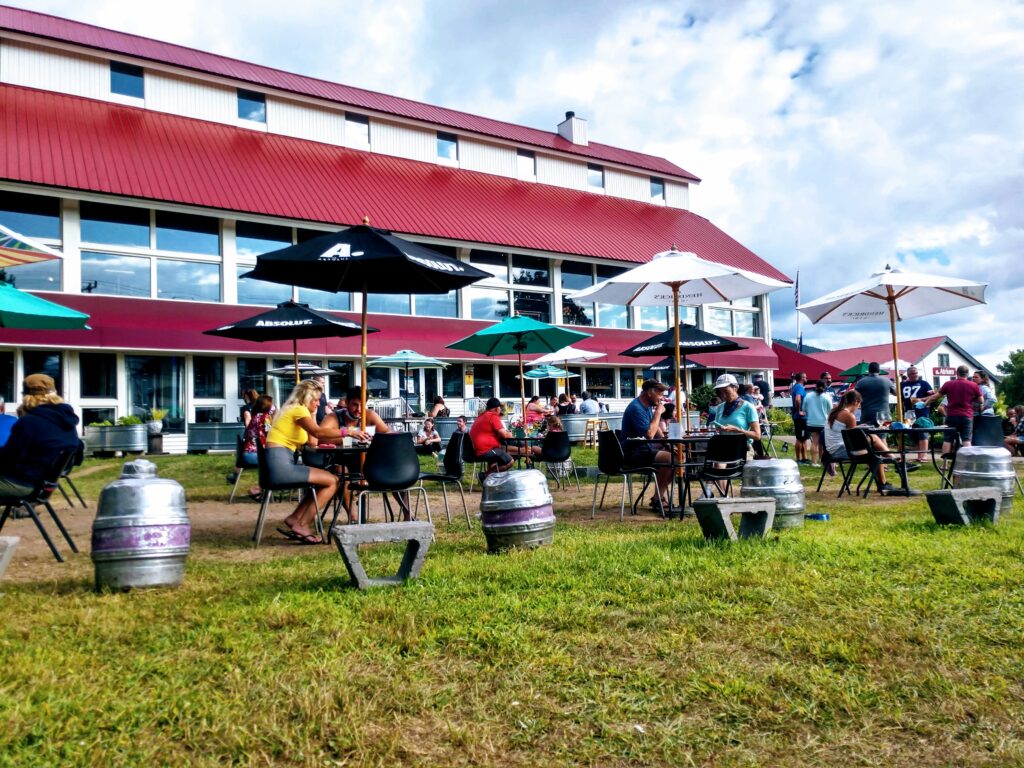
[(23, 310), (860, 369), (549, 372), (519, 335)]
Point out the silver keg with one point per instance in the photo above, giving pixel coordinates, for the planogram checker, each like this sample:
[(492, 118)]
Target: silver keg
[(778, 479), (141, 534), (515, 510), (978, 466)]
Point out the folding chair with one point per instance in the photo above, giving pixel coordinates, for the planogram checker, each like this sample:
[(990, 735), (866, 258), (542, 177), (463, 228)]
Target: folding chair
[(391, 466), (724, 461), (556, 453), (454, 467), (75, 461), (862, 452), (267, 489), (610, 461), (40, 494)]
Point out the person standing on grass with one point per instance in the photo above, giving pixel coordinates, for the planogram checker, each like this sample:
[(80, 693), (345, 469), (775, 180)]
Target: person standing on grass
[(961, 394), (289, 432), (988, 396), (798, 392), (914, 392), (818, 405), (874, 392)]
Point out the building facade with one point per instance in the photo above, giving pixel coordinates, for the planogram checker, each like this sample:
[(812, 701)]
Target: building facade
[(162, 172)]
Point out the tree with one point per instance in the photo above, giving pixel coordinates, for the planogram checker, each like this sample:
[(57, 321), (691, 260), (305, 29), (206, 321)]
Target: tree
[(1012, 386)]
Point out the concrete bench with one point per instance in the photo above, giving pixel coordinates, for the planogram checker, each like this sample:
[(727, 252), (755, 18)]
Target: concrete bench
[(7, 546), (417, 535), (715, 517), (963, 506)]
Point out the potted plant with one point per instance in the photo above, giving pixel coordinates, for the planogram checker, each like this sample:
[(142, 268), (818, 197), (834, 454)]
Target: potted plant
[(155, 425), (128, 435)]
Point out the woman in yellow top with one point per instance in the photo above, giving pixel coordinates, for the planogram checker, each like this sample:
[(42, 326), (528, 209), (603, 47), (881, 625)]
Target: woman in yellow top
[(289, 431)]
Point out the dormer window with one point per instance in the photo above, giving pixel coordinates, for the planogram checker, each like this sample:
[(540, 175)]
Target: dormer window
[(657, 188), (127, 80), (252, 106), (595, 176), (527, 165), (357, 130), (447, 147)]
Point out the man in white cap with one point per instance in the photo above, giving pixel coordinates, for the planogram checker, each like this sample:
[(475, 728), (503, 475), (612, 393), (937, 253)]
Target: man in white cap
[(734, 414)]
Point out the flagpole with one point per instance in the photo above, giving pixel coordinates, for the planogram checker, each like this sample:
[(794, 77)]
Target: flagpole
[(796, 305)]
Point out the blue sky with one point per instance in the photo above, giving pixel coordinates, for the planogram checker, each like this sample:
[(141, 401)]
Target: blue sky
[(832, 138)]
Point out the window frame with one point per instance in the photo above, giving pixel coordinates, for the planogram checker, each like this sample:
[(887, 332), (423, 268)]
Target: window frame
[(127, 70), (256, 97)]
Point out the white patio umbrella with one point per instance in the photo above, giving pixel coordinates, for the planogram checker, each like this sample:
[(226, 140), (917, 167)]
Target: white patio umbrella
[(673, 278), (892, 295)]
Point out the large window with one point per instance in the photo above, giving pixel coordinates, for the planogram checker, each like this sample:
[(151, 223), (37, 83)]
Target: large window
[(114, 224), (734, 322), (438, 305), (38, 276), (7, 376), (601, 381), (252, 105), (187, 233), (252, 374), (187, 280), (531, 271), (45, 361), (595, 176), (259, 291), (508, 382), (576, 277), (342, 379), (31, 215), (452, 382), (338, 302), (98, 374), (627, 382), (253, 239), (483, 380), (535, 305), (208, 377), (388, 303), (653, 318), (447, 147), (494, 263), (487, 303), (378, 381), (611, 315), (115, 275), (157, 382)]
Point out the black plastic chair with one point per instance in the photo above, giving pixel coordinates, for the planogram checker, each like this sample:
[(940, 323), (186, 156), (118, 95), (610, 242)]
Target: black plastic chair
[(391, 466), (469, 456), (267, 489), (827, 460), (454, 467), (555, 449), (40, 494), (988, 432), (75, 461), (723, 462), (862, 453), (239, 452), (609, 464)]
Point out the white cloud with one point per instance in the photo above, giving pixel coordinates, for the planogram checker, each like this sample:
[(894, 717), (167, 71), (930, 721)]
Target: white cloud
[(831, 137)]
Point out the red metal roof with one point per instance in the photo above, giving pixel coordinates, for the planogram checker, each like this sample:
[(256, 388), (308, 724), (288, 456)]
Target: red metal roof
[(71, 142), (65, 30), (913, 351), (148, 324), (791, 361)]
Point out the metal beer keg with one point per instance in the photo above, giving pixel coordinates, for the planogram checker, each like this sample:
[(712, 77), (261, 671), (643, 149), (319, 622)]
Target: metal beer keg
[(516, 510), (978, 466), (141, 534), (780, 480)]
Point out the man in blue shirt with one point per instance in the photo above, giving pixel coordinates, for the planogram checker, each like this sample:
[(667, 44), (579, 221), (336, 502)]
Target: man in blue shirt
[(798, 392), (6, 422), (642, 419)]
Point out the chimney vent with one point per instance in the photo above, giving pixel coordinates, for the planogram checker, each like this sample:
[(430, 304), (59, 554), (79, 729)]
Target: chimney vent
[(573, 129)]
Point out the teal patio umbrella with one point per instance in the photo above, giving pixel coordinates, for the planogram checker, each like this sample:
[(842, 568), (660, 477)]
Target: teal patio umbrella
[(23, 310), (407, 360), (549, 372), (520, 336)]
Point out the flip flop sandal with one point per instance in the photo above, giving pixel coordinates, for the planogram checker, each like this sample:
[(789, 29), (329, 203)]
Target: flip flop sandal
[(288, 533), (309, 538)]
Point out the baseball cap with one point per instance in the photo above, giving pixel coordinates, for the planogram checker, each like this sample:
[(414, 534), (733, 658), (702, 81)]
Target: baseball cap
[(726, 380), (38, 384)]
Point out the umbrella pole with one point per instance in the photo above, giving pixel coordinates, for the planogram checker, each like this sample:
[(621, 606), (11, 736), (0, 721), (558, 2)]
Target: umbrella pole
[(295, 358), (675, 317), (895, 357), (522, 388), (362, 362)]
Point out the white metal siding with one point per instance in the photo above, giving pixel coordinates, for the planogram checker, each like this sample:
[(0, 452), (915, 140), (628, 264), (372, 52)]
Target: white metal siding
[(488, 158), (50, 70), (191, 98), (305, 121), (677, 195), (628, 185), (561, 173), (403, 141)]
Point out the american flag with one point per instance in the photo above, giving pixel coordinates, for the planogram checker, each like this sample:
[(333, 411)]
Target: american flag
[(796, 303)]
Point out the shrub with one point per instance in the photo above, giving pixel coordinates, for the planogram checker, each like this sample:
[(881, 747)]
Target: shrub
[(701, 396), (128, 421), (782, 421)]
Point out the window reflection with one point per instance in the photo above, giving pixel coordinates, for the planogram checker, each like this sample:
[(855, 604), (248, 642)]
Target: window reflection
[(494, 263), (438, 305), (253, 238), (338, 302), (39, 276), (187, 280), (653, 318), (719, 321), (208, 376), (187, 233), (529, 270), (97, 374), (386, 303), (43, 361), (114, 224), (31, 215), (259, 291), (535, 305), (576, 277), (487, 304), (115, 275), (612, 316)]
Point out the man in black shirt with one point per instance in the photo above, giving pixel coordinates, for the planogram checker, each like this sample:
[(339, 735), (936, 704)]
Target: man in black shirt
[(914, 391), (874, 391)]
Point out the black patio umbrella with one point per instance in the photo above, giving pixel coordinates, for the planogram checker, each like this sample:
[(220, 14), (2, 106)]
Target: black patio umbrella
[(668, 363), (368, 260), (692, 341), (290, 321)]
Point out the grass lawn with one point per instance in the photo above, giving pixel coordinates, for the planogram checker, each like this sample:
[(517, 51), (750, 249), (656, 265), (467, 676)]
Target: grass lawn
[(874, 639)]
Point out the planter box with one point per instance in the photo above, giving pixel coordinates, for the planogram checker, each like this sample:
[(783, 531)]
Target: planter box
[(130, 439), (213, 437)]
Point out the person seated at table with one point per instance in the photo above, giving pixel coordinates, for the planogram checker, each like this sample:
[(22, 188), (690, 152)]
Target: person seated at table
[(842, 417), (1015, 441), (707, 416), (564, 406), (535, 411), (289, 432), (735, 415), (488, 435), (46, 427), (642, 419), (257, 428), (428, 441), (461, 425), (439, 410), (552, 423)]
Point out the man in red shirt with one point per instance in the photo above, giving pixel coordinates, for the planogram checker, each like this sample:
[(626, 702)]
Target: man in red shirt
[(961, 394), (487, 435)]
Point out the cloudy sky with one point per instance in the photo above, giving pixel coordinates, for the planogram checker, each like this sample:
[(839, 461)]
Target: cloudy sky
[(832, 138)]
